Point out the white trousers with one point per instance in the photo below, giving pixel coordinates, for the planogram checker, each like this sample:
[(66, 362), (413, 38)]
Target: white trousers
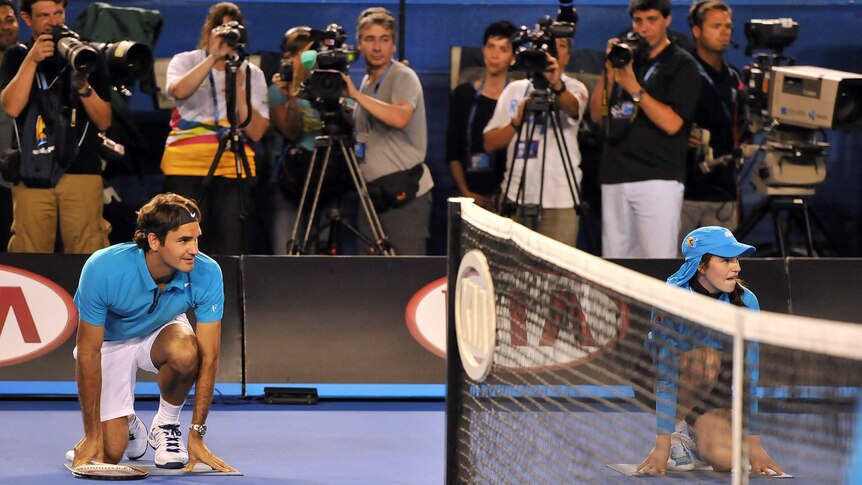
[(641, 219)]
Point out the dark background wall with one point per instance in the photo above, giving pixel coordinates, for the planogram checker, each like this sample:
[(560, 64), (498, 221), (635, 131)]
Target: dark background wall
[(828, 38)]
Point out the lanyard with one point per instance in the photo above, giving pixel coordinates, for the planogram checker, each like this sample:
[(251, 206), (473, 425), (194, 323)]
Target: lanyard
[(379, 80)]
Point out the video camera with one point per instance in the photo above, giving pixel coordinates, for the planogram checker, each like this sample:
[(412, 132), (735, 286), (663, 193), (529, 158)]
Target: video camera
[(630, 47), (126, 61), (333, 57), (531, 46)]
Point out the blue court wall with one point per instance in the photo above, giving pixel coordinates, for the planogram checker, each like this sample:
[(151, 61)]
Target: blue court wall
[(828, 38)]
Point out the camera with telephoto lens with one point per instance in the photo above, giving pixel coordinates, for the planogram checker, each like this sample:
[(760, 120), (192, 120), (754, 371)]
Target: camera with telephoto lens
[(79, 54), (233, 33), (630, 46), (532, 46), (325, 84)]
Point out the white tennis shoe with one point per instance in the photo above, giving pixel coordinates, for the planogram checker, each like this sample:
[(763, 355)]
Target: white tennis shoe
[(167, 440), (682, 453), (137, 439)]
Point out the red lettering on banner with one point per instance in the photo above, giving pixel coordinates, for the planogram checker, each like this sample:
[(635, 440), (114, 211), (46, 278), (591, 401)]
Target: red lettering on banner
[(12, 299), (518, 323)]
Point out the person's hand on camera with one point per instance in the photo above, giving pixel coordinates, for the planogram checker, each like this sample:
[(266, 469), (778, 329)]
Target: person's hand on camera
[(283, 86), (217, 46), (79, 80), (350, 90), (42, 49), (553, 72), (625, 77)]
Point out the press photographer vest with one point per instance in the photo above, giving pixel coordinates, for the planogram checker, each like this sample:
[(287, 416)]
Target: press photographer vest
[(50, 130)]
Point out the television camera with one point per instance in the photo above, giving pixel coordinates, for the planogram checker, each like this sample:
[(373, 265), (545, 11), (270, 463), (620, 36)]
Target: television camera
[(532, 46)]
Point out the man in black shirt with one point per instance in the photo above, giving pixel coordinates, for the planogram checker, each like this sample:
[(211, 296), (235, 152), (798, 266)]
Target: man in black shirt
[(710, 186), (58, 113), (476, 173), (647, 106)]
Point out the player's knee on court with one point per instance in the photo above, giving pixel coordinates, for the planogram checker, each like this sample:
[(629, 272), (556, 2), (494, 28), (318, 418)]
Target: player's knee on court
[(714, 437)]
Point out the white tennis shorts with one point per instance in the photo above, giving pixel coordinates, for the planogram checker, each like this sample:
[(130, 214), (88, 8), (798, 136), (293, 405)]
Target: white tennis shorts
[(121, 360)]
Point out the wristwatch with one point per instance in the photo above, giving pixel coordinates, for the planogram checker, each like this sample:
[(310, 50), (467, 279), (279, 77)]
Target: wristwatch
[(636, 97), (559, 91), (200, 428), (86, 92)]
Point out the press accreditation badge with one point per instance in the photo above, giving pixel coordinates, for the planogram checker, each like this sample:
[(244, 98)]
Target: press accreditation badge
[(533, 150), (623, 110), (480, 162)]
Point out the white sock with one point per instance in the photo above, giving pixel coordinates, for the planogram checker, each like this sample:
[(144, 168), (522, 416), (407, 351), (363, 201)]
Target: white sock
[(168, 413), (682, 427)]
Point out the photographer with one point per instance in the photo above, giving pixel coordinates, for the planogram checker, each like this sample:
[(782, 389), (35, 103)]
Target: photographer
[(559, 219), (58, 113), (477, 173), (391, 133), (646, 107), (196, 82), (710, 184)]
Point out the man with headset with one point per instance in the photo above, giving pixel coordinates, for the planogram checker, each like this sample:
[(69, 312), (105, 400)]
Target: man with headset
[(710, 185)]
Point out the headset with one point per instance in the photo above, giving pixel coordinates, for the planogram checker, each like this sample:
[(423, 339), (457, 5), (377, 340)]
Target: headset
[(697, 11)]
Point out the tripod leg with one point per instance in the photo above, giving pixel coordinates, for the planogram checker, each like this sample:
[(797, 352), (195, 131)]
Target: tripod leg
[(381, 242), (779, 234), (581, 207), (293, 246), (806, 222)]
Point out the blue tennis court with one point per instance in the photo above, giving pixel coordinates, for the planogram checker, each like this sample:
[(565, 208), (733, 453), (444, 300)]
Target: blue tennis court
[(329, 443)]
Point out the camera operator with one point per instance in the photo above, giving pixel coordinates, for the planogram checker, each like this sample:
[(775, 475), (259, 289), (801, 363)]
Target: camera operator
[(58, 113), (710, 185), (196, 82), (391, 132), (559, 219), (647, 106), (477, 173)]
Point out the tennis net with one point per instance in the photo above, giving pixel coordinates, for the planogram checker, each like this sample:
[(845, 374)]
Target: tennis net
[(557, 359)]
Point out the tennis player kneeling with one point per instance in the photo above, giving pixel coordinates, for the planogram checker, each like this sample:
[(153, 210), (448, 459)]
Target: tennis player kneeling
[(132, 299)]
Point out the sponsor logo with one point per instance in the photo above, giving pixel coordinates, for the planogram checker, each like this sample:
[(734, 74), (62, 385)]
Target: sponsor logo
[(41, 137), (559, 323), (43, 150), (36, 316), (475, 315)]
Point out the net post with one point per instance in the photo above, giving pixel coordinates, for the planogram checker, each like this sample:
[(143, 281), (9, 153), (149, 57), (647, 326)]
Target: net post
[(740, 476), (453, 359)]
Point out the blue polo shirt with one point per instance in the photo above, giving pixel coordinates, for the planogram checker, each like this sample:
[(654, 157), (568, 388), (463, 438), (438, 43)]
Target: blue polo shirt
[(117, 291)]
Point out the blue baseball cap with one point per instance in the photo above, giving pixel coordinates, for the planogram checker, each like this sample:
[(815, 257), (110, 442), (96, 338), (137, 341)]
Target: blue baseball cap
[(715, 240)]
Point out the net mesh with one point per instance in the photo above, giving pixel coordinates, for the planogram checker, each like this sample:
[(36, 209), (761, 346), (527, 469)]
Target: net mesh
[(591, 361)]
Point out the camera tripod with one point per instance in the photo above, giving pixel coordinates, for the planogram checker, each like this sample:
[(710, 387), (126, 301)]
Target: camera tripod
[(233, 138), (317, 168), (541, 110)]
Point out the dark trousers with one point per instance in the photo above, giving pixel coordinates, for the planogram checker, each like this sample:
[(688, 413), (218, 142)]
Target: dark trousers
[(223, 222)]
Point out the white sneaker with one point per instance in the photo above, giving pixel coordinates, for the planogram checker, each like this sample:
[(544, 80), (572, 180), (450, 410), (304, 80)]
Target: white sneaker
[(682, 453), (137, 439), (167, 440)]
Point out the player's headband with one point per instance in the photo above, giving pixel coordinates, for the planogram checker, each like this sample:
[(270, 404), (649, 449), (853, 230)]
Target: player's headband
[(186, 216)]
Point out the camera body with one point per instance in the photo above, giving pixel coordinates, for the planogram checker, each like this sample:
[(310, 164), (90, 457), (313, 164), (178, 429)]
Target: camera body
[(531, 46), (285, 70), (630, 47), (233, 33), (815, 97), (325, 84)]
